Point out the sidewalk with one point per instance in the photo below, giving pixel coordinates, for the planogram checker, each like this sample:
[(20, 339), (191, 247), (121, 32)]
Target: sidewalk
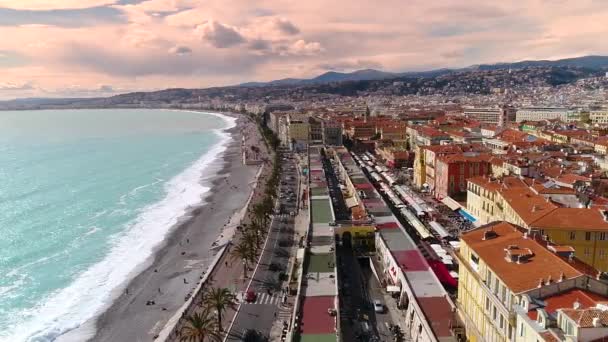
[(286, 309), (229, 272)]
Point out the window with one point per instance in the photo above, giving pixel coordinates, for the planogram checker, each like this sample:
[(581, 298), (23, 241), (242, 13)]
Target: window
[(587, 252), (487, 304), (494, 313), (521, 330), (601, 236), (503, 294), (602, 253), (501, 323), (587, 236), (572, 235)]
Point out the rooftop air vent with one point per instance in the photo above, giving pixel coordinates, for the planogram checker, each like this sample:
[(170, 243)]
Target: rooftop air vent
[(489, 235)]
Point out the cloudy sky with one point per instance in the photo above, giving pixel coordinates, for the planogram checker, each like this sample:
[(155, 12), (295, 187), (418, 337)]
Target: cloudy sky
[(99, 47)]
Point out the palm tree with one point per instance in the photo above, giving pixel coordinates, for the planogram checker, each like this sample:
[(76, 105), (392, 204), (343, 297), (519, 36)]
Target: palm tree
[(243, 251), (220, 299), (200, 327)]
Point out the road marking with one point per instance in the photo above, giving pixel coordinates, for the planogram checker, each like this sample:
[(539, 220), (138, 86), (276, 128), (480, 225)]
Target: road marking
[(263, 298)]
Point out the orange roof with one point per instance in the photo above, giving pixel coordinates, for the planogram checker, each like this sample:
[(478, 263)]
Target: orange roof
[(586, 299), (570, 178), (541, 189), (528, 205), (496, 184), (548, 337), (519, 277), (462, 158), (584, 318), (573, 219), (430, 132)]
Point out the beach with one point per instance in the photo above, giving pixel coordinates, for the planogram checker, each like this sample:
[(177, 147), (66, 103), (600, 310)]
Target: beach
[(142, 308)]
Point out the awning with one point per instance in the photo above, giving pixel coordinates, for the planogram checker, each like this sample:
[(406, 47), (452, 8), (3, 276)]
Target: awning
[(393, 288), (351, 202), (452, 204)]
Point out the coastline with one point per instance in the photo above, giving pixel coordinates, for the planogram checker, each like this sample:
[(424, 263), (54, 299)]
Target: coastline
[(177, 266)]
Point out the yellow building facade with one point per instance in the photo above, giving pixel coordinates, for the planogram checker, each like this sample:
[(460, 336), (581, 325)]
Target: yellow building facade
[(511, 200), (493, 279)]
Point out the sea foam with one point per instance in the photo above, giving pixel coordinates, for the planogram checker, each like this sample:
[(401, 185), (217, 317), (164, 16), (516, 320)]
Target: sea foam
[(94, 290)]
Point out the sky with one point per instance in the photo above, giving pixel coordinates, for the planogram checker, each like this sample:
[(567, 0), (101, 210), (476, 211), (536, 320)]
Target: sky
[(77, 48)]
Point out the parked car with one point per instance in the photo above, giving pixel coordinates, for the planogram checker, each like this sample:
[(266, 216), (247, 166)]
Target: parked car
[(250, 296), (378, 306)]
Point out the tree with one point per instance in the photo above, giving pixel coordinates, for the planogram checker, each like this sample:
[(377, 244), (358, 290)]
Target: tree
[(220, 299), (200, 327), (243, 252)]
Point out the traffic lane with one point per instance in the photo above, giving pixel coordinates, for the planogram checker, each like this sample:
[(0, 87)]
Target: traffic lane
[(374, 292), (353, 288), (259, 317)]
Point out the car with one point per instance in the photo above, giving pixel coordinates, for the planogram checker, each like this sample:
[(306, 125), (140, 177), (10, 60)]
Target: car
[(250, 296), (378, 306)]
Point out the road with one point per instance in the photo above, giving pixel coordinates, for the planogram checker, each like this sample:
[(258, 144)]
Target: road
[(267, 307), (359, 289)]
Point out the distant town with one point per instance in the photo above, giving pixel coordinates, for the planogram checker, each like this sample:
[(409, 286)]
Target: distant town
[(469, 205)]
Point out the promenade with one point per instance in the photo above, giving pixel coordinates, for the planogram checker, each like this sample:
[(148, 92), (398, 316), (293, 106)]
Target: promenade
[(228, 272)]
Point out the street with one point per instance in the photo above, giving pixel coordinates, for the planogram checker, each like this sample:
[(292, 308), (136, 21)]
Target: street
[(269, 275)]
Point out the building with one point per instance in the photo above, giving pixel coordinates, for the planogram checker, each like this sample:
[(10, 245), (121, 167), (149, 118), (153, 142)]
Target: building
[(499, 116), (332, 133), (299, 130), (599, 116), (273, 120), (316, 130), (452, 172), (574, 314), (546, 113), (552, 211), (501, 268)]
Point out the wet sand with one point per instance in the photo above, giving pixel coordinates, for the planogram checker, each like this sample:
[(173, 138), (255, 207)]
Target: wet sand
[(178, 266)]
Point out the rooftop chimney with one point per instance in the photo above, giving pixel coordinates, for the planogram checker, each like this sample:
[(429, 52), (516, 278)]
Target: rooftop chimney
[(534, 207), (540, 282), (576, 305), (596, 322), (562, 277), (549, 280)]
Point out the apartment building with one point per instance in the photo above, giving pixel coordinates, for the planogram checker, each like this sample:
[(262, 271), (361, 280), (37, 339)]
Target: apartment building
[(332, 132), (500, 268), (552, 212), (546, 113), (453, 171), (499, 116), (316, 130), (599, 116), (299, 130)]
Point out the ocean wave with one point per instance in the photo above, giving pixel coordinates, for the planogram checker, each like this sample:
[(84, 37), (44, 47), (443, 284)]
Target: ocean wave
[(93, 291)]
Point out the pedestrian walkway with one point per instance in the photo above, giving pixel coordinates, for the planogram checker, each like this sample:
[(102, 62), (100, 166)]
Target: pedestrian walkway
[(265, 299)]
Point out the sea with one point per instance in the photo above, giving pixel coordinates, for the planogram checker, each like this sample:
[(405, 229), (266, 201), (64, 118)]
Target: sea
[(86, 197)]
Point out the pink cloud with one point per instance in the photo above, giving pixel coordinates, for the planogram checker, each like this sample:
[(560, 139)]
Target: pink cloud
[(53, 4), (159, 41)]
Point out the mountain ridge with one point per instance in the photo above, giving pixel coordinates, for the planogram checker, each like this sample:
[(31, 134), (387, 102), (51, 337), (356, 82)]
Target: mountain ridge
[(595, 62)]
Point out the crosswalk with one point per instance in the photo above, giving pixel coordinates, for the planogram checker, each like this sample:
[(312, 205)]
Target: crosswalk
[(265, 298), (284, 313)]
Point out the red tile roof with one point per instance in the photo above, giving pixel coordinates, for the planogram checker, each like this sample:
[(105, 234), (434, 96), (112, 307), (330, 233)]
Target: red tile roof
[(519, 277), (586, 299)]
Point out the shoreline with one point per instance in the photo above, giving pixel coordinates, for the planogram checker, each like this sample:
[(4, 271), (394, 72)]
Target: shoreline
[(176, 267)]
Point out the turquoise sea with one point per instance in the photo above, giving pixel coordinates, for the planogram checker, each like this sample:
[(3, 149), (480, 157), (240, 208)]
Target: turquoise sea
[(85, 197)]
